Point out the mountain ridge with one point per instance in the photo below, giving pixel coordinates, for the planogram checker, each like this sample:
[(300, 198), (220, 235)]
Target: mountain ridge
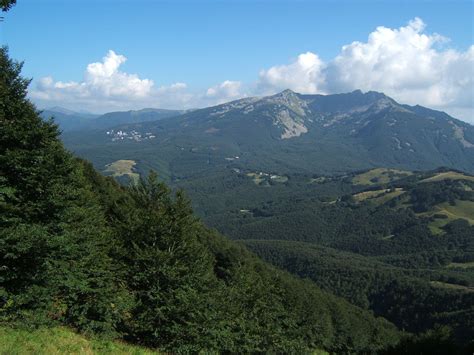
[(289, 132), (69, 120)]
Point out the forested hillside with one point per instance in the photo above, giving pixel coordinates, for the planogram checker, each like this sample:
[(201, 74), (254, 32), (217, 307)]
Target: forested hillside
[(399, 243), (78, 249)]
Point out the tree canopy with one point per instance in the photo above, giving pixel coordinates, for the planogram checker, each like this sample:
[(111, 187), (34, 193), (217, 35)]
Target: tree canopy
[(6, 5)]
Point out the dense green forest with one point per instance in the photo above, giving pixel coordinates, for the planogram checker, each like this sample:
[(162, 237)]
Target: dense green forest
[(399, 243), (79, 249)]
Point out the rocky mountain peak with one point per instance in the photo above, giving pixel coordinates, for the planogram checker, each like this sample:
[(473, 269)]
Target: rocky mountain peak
[(290, 100)]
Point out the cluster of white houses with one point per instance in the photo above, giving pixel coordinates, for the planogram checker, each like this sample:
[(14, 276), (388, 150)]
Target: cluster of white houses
[(121, 135)]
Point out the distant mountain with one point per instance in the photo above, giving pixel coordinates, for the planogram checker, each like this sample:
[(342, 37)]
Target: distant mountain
[(66, 111), (112, 119), (76, 121), (68, 120), (291, 132)]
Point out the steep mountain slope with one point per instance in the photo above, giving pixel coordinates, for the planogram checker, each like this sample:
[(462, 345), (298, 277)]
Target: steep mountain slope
[(290, 132)]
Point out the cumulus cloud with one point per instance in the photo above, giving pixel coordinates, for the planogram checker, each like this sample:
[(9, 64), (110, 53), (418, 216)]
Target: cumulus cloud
[(304, 75), (101, 80), (104, 78), (106, 87), (226, 91), (407, 64)]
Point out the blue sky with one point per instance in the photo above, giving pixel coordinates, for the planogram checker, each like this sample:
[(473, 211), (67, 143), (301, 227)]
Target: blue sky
[(201, 45)]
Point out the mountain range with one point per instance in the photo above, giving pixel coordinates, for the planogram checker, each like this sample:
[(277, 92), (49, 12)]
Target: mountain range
[(286, 132), (69, 120)]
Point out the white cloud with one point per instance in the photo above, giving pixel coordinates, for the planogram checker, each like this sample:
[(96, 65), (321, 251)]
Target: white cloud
[(106, 79), (226, 91), (395, 59), (105, 87), (102, 80), (303, 75), (406, 63)]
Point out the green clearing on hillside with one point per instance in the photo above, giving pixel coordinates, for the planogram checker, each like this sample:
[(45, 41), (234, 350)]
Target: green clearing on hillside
[(462, 209), (380, 176), (263, 179), (279, 178), (446, 285), (318, 180), (121, 168), (467, 265), (379, 197), (449, 175), (60, 340), (257, 178)]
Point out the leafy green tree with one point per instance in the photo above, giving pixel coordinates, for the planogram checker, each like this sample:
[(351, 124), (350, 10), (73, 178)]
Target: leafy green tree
[(53, 240), (6, 5), (168, 270)]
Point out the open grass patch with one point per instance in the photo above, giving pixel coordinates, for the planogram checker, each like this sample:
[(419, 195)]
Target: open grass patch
[(449, 175), (445, 213), (264, 179), (445, 285), (256, 178), (279, 178), (365, 195), (379, 197), (380, 176), (121, 168), (60, 340), (318, 180), (467, 265)]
